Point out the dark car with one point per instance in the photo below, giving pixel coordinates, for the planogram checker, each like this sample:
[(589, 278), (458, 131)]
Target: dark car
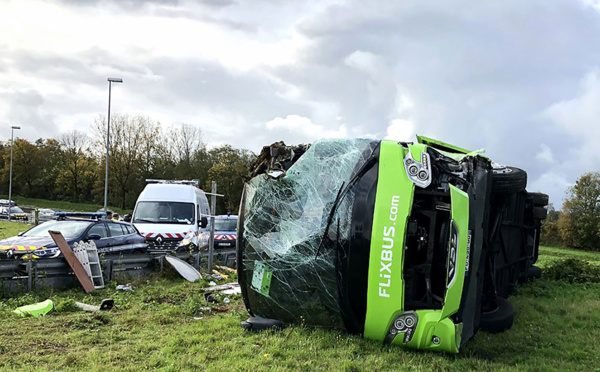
[(109, 237), (16, 213)]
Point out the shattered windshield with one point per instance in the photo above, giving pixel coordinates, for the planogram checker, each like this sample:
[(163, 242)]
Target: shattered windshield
[(288, 262)]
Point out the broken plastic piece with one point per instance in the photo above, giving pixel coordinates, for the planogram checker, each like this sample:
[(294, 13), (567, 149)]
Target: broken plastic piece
[(41, 308), (184, 269), (106, 304)]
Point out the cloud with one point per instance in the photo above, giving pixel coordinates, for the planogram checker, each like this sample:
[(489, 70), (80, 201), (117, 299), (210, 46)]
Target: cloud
[(577, 117), (545, 154), (552, 183), (303, 127), (400, 130), (516, 78)]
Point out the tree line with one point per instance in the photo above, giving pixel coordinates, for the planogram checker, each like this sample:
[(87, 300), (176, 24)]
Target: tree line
[(577, 225), (72, 167)]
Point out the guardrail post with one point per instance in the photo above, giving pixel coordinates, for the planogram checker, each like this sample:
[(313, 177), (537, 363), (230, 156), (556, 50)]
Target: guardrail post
[(108, 270), (161, 262), (36, 217), (197, 260), (29, 277)]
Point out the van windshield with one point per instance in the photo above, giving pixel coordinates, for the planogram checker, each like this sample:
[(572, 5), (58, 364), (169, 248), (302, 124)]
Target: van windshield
[(164, 212)]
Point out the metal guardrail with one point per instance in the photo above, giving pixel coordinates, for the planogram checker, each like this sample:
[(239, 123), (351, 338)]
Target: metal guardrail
[(22, 275)]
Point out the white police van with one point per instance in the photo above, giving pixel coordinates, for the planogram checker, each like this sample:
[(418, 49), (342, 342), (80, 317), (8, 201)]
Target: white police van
[(170, 214)]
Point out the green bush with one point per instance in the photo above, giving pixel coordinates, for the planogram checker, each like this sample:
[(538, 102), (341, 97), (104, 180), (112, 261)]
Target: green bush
[(66, 306), (573, 270)]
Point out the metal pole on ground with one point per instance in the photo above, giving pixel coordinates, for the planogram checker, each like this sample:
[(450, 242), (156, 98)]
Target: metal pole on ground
[(211, 241)]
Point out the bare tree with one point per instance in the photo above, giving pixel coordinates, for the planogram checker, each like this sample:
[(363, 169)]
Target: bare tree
[(125, 151), (75, 146), (185, 142)]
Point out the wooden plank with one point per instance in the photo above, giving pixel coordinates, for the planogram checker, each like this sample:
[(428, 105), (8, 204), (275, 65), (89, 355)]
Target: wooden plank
[(72, 260)]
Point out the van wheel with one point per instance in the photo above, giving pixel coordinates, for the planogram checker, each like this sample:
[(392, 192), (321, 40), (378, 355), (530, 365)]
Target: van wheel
[(540, 213), (539, 199), (498, 320), (508, 179)]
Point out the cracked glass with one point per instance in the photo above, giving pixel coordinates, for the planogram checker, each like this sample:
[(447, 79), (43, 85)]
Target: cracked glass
[(292, 227)]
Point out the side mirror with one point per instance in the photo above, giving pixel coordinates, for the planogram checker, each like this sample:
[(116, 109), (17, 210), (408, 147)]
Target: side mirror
[(21, 233), (203, 222), (94, 237)]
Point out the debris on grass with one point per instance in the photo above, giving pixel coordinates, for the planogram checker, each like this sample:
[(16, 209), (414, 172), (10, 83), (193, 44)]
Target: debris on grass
[(221, 274), (187, 271), (126, 287), (215, 277), (225, 268), (38, 309), (106, 304), (228, 289)]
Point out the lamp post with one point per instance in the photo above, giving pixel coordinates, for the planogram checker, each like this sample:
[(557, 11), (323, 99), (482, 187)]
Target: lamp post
[(110, 81), (12, 140)]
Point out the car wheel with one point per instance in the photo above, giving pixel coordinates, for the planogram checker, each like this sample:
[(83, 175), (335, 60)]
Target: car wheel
[(498, 320), (508, 179), (539, 199), (540, 213)]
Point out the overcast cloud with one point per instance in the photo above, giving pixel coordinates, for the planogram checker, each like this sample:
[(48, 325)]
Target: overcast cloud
[(520, 79)]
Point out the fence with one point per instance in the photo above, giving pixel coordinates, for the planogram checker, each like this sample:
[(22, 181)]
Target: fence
[(20, 275)]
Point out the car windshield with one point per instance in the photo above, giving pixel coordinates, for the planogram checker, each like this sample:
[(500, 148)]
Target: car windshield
[(16, 210), (226, 225), (69, 229), (164, 212)]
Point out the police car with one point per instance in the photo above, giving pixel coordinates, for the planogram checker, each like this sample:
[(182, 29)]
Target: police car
[(225, 232), (109, 236)]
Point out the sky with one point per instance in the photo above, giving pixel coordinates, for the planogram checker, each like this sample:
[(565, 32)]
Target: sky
[(520, 79)]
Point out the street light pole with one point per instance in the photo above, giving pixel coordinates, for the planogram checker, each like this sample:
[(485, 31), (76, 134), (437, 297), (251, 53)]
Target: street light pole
[(12, 140), (110, 81)]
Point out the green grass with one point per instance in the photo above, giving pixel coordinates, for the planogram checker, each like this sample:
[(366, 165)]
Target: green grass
[(8, 229), (62, 205), (153, 327), (552, 254)]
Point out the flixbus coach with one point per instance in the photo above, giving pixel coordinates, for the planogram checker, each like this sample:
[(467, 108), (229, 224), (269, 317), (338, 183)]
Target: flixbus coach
[(414, 244)]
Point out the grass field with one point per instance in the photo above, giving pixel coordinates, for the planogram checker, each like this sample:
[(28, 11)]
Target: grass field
[(8, 229), (156, 327), (62, 205)]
